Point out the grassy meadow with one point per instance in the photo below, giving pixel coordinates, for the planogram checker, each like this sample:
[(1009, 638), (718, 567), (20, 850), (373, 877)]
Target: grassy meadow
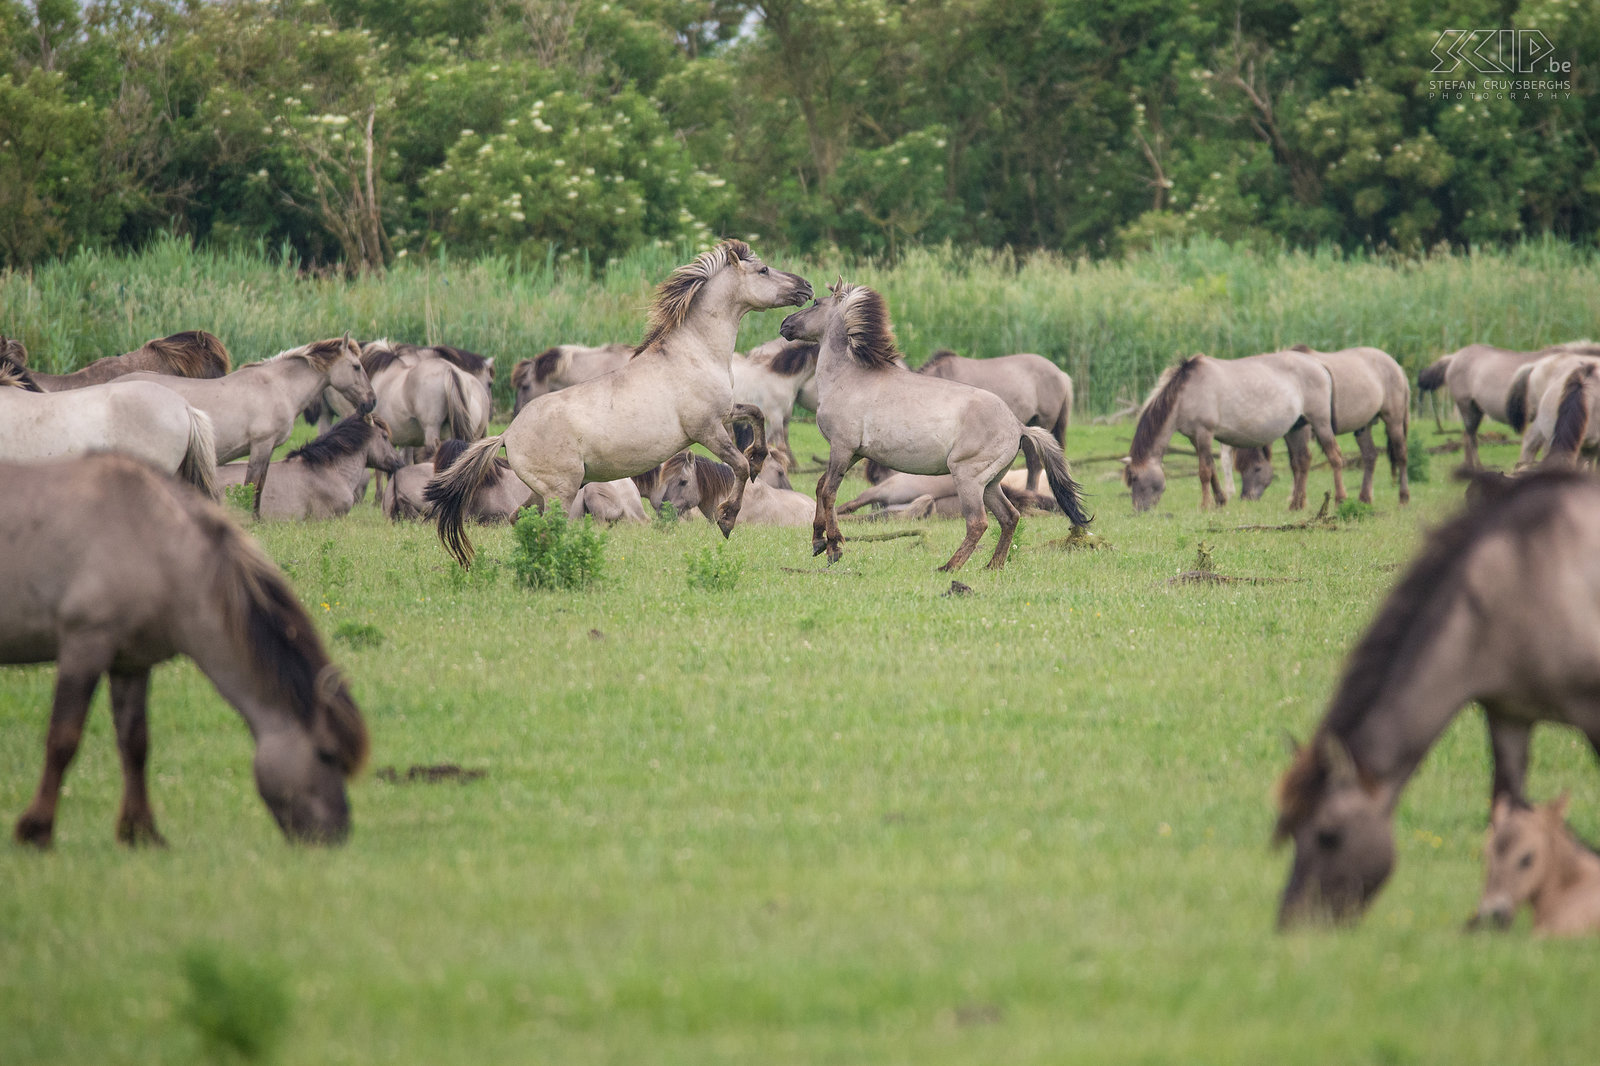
[(829, 816)]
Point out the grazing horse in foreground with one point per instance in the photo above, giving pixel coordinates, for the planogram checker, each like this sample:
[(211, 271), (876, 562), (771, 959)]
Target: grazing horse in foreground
[(107, 567), (675, 392), (562, 367), (693, 482), (132, 418), (1501, 607), (1533, 401), (770, 378), (253, 409), (1247, 403), (1533, 858), (871, 406), (1038, 392), (1479, 378), (423, 397), (191, 354), (325, 478)]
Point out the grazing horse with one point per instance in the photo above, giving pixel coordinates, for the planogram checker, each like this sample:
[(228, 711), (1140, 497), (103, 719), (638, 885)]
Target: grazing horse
[(1531, 857), (1575, 429), (1502, 607), (676, 391), (693, 482), (107, 567), (131, 418), (1038, 392), (1247, 403), (871, 406), (1534, 398), (325, 478), (498, 499), (1479, 378), (770, 378), (425, 397), (191, 354), (562, 367), (253, 409)]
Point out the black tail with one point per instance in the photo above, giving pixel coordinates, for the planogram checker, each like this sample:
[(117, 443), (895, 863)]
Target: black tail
[(1572, 418), (451, 492), (1431, 376), (1517, 399), (1068, 494)]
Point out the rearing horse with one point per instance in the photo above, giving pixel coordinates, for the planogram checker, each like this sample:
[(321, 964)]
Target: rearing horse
[(676, 391)]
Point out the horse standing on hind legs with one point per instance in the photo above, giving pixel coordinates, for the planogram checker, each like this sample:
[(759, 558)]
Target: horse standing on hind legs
[(106, 567), (1246, 403), (1502, 607), (676, 391), (868, 405)]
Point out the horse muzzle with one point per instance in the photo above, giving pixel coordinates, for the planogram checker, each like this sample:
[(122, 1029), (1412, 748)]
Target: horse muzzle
[(367, 406), (803, 294)]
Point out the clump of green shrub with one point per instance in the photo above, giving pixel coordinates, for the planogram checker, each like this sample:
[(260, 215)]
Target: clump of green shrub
[(551, 553), (238, 1009), (358, 634), (666, 517), (241, 497), (1353, 510), (1417, 459), (713, 569)]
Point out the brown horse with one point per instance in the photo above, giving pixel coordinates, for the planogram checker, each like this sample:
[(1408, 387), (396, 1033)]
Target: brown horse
[(191, 354), (1532, 858), (1501, 607), (107, 567), (1038, 392)]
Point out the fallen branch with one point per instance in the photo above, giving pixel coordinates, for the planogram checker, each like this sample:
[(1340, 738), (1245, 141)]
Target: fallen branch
[(1211, 577), (1321, 520), (920, 534)]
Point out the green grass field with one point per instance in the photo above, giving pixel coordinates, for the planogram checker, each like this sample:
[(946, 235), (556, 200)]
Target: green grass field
[(826, 817)]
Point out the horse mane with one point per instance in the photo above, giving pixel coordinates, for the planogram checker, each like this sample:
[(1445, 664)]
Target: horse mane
[(320, 354), (522, 373), (379, 355), (12, 349), (547, 363), (869, 337), (793, 358), (1572, 414), (471, 362), (937, 359), (1580, 347), (193, 353), (1408, 619), (1158, 408), (13, 374), (284, 651), (349, 436), (675, 296), (1303, 349), (715, 480)]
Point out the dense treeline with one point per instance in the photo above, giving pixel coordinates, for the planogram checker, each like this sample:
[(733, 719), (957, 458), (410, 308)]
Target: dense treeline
[(359, 131)]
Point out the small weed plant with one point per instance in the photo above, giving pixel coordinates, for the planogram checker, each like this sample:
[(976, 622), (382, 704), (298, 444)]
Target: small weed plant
[(241, 497), (551, 553), (1417, 459), (713, 569)]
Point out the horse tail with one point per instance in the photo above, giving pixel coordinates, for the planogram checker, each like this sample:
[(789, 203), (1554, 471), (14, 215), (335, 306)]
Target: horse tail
[(199, 465), (1572, 417), (1068, 494), (457, 416), (452, 490), (1431, 376), (1517, 398)]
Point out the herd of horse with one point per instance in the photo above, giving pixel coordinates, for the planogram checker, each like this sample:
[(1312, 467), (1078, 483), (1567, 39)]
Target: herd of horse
[(115, 555)]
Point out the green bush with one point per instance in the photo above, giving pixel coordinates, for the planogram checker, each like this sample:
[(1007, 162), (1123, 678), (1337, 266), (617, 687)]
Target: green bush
[(241, 497), (359, 634), (713, 569), (1417, 464), (551, 553)]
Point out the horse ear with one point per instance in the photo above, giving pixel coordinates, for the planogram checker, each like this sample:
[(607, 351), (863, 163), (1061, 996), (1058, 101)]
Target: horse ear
[(1342, 772), (1558, 806), (837, 285), (1126, 460), (1500, 811)]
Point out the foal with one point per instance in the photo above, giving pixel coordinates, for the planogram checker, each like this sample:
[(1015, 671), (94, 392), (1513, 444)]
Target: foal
[(1532, 857)]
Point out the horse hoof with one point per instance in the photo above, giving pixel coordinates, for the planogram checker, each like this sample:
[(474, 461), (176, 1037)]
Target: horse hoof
[(33, 833)]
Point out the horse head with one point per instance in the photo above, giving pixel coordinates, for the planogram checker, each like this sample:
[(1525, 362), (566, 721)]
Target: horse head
[(347, 376)]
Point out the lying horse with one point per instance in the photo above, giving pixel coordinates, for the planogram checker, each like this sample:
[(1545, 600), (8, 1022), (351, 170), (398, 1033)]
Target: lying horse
[(107, 567), (1038, 392), (693, 482), (1533, 858), (676, 391), (498, 499), (562, 367), (901, 490), (609, 502), (131, 418), (325, 478), (1479, 378), (870, 406), (253, 409), (1534, 398), (1501, 607), (1247, 403), (191, 354)]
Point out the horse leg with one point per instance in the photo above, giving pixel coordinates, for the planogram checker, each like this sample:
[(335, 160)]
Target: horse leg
[(721, 443), (1508, 745), (971, 495), (256, 472), (1330, 447), (825, 525), (78, 671), (1006, 512), (1395, 436), (1209, 481), (1471, 415), (1533, 442), (1299, 445), (136, 823), (1030, 456), (1369, 462)]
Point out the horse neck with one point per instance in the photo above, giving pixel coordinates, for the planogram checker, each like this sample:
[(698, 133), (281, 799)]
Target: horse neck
[(299, 377), (835, 364), (707, 334)]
